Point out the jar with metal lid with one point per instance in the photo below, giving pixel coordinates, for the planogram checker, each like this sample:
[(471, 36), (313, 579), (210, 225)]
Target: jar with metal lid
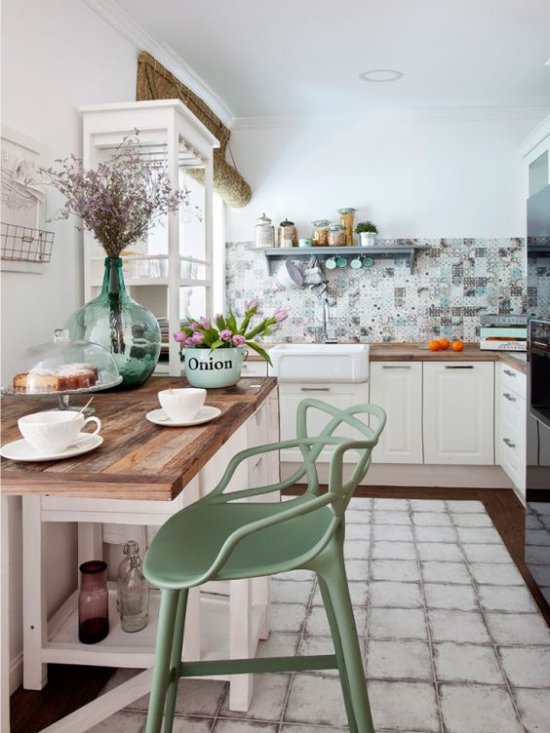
[(320, 233), (264, 232), (336, 235), (288, 234), (347, 217)]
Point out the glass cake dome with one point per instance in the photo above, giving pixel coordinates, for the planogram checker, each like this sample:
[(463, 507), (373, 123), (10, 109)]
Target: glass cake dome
[(64, 367)]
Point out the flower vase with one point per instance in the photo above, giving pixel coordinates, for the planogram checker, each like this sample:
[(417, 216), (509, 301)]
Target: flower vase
[(126, 329), (210, 369)]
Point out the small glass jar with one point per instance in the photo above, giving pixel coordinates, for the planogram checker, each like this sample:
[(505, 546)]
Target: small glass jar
[(320, 233), (132, 590), (264, 232), (288, 234), (336, 236), (93, 602)]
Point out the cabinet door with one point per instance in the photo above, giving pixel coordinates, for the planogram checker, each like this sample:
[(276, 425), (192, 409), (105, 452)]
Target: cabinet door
[(397, 387), (458, 405), (510, 423), (340, 395)]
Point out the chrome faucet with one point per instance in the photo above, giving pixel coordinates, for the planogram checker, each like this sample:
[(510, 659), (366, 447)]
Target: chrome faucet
[(329, 331)]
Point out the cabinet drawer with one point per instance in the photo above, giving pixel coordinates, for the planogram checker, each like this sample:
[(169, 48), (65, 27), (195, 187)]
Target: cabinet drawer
[(513, 381), (512, 407)]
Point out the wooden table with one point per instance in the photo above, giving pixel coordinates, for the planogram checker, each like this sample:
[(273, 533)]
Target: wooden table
[(136, 477)]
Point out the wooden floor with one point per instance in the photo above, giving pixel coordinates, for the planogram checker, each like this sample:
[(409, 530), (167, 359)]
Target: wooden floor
[(70, 687)]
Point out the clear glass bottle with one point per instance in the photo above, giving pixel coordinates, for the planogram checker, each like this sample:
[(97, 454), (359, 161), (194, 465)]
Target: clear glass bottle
[(133, 590), (93, 602)]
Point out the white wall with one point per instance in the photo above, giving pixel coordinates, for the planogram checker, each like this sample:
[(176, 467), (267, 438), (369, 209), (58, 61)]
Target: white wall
[(56, 55), (414, 175)]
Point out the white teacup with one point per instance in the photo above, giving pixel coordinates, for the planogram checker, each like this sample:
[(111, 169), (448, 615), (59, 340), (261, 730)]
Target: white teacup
[(53, 431), (182, 405)]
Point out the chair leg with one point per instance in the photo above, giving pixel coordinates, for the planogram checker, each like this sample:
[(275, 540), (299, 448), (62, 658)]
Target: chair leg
[(161, 672), (339, 654), (332, 576), (175, 661)]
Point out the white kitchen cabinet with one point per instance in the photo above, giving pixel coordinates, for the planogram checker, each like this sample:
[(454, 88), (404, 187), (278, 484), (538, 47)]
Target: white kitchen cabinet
[(511, 423), (536, 153), (397, 387), (458, 409), (171, 272), (341, 395)]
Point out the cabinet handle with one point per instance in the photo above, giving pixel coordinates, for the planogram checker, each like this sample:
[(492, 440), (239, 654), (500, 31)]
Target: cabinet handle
[(509, 372), (509, 443), (395, 367), (509, 397), (459, 366), (315, 389)]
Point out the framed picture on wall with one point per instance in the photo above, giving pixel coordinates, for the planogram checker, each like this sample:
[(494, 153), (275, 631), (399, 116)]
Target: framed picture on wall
[(26, 246)]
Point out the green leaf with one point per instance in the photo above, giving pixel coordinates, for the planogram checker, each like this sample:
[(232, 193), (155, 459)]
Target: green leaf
[(216, 344), (258, 349)]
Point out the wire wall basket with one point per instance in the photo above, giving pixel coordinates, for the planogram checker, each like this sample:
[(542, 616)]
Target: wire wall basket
[(23, 244)]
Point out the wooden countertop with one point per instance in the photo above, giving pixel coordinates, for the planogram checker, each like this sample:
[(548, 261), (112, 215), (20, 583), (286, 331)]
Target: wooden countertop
[(138, 460), (416, 352)]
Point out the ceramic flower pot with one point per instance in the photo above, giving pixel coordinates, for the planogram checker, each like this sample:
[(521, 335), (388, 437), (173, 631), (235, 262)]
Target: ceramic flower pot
[(212, 369), (367, 239)]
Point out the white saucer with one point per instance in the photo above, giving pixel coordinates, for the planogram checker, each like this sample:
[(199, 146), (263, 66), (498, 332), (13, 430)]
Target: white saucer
[(20, 450), (159, 417)]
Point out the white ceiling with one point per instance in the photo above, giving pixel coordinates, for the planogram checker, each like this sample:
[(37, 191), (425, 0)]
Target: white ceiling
[(264, 58)]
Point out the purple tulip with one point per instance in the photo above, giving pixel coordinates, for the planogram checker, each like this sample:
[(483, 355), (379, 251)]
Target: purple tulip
[(196, 338), (180, 337), (252, 304), (225, 335), (204, 322), (280, 315), (194, 326), (238, 340), (189, 341)]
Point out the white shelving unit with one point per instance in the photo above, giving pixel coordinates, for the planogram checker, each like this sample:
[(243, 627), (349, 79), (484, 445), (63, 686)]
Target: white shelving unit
[(174, 266)]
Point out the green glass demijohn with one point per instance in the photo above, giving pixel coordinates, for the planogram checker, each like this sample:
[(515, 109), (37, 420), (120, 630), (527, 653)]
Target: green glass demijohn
[(126, 329)]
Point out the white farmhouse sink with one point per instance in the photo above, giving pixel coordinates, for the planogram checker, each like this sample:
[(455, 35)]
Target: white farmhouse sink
[(320, 362)]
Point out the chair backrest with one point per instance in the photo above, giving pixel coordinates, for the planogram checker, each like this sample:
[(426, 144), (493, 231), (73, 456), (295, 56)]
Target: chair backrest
[(367, 420)]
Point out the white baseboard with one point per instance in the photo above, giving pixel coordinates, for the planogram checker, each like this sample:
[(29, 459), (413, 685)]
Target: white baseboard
[(407, 474), (16, 673)]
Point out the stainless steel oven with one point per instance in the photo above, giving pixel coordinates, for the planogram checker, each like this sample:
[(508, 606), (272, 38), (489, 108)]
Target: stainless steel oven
[(537, 527)]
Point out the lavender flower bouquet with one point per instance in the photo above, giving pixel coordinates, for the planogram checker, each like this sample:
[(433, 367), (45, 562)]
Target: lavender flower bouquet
[(119, 201)]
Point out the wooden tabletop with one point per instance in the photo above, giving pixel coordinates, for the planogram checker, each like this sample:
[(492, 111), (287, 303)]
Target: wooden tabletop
[(138, 459)]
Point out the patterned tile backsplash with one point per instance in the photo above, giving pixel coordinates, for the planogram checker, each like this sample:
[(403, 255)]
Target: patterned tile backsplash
[(452, 282)]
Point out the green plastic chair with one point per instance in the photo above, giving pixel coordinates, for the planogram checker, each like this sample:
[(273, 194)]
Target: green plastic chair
[(220, 538)]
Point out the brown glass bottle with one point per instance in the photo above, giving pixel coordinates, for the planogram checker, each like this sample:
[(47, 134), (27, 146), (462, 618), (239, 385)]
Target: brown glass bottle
[(93, 602)]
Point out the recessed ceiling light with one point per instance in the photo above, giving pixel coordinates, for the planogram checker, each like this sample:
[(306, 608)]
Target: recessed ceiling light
[(381, 75)]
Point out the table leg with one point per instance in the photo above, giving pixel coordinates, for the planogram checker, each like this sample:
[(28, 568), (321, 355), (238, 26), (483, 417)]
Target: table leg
[(241, 643), (35, 674), (5, 622)]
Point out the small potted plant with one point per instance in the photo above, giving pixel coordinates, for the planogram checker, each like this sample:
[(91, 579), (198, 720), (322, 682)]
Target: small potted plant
[(367, 232)]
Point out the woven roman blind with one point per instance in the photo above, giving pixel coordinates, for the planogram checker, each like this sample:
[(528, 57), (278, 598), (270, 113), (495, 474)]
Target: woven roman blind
[(154, 81)]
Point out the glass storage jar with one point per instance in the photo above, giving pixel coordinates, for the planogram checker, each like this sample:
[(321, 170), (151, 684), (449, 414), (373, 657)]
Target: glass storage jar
[(320, 233), (336, 235), (265, 232), (347, 217), (288, 235)]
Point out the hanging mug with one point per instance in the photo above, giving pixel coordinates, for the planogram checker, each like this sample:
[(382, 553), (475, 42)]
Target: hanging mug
[(330, 264), (356, 263)]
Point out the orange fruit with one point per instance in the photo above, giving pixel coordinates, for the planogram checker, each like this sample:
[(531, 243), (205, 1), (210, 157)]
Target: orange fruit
[(444, 343), (457, 345), (433, 345)]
